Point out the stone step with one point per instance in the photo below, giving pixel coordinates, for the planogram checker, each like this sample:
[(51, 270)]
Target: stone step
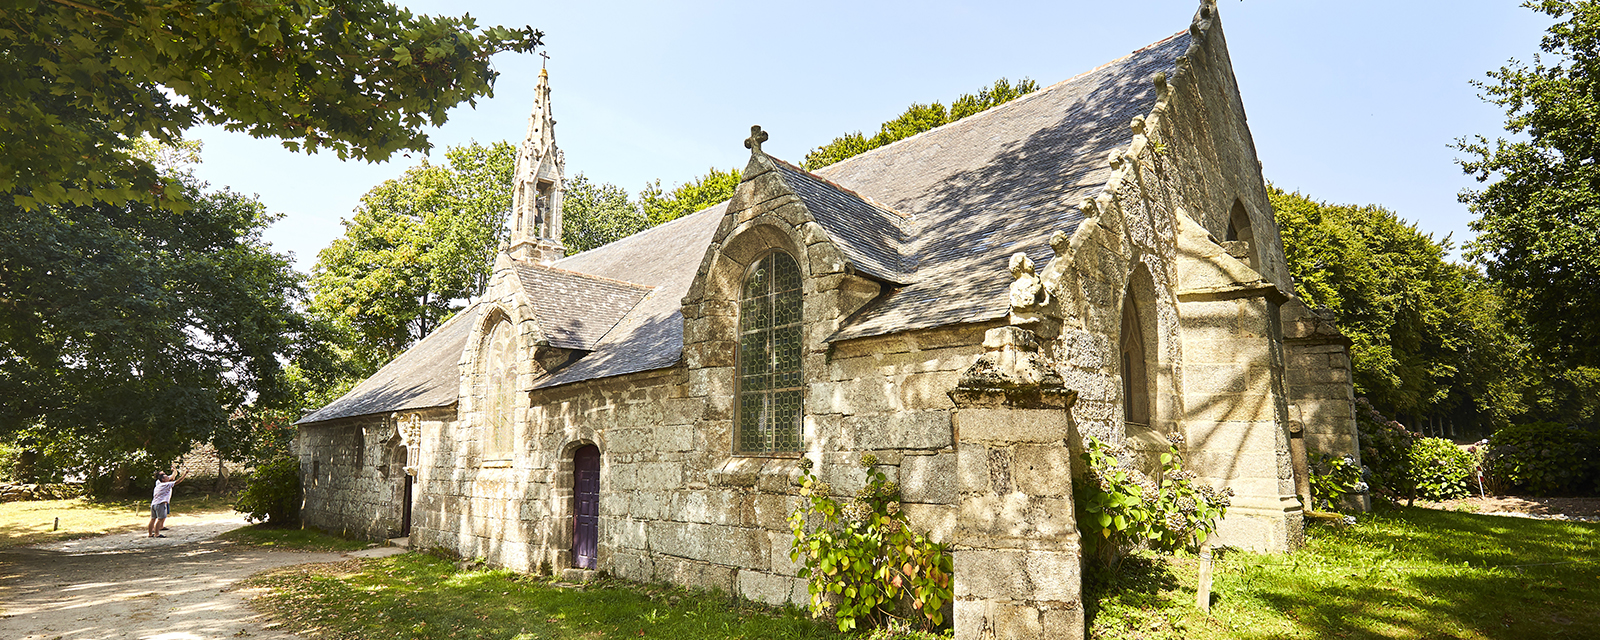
[(404, 543), (578, 576)]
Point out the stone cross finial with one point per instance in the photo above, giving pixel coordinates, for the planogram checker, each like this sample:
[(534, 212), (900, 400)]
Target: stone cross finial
[(757, 136), (545, 62)]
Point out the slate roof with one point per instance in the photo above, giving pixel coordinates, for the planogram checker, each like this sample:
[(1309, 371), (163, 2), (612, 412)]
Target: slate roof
[(575, 310), (873, 237), (938, 215), (650, 336), (999, 182), (426, 375)]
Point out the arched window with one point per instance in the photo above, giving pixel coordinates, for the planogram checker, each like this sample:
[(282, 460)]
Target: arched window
[(1135, 376), (499, 375), (770, 385)]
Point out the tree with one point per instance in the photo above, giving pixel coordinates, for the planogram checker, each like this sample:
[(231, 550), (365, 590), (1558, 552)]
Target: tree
[(128, 331), (1430, 340), (704, 191), (916, 119), (417, 247), (82, 79), (596, 214), (1539, 216)]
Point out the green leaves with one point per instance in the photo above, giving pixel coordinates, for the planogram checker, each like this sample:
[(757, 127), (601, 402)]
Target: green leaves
[(1169, 512), (713, 187), (417, 247), (596, 214), (917, 119), (1539, 216), (869, 559), (359, 78)]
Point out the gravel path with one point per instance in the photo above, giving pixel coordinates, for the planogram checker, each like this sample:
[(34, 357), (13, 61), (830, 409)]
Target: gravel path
[(128, 586)]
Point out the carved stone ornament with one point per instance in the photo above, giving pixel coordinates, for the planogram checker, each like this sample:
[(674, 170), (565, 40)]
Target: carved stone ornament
[(409, 428), (1012, 372), (1028, 295)]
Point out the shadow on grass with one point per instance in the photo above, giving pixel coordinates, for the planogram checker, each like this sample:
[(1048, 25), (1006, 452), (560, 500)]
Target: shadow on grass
[(1414, 573), (291, 538)]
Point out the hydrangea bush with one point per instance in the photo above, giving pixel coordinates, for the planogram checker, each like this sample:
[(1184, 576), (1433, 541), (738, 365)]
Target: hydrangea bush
[(1121, 508)]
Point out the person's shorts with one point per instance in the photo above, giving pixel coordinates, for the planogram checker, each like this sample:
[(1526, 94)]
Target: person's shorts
[(160, 510)]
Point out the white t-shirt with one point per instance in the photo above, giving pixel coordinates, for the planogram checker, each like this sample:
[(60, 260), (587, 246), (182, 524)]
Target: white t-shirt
[(163, 492)]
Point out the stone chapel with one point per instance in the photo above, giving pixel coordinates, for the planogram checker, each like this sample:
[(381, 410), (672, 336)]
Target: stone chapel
[(1097, 258)]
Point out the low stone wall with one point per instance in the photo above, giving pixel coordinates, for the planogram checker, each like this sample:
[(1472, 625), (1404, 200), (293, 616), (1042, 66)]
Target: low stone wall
[(11, 492)]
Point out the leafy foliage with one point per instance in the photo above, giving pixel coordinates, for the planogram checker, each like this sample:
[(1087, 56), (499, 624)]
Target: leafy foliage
[(130, 332), (1334, 478), (1385, 452), (661, 206), (862, 559), (1429, 336), (85, 78), (597, 214), (273, 492), (1546, 458), (417, 247), (1441, 470), (1539, 216), (1170, 513), (916, 119)]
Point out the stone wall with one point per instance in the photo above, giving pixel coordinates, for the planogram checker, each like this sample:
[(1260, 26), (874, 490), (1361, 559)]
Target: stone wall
[(353, 475)]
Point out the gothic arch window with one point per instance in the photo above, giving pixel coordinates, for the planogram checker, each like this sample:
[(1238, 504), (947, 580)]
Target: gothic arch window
[(1135, 366), (771, 390), (1240, 230), (498, 360)]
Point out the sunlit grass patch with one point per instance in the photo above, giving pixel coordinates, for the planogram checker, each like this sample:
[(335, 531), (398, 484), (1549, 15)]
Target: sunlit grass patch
[(423, 596), (1409, 573), (34, 521), (291, 539)]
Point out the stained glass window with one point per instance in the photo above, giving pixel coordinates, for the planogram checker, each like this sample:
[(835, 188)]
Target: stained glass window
[(771, 391), (499, 389)]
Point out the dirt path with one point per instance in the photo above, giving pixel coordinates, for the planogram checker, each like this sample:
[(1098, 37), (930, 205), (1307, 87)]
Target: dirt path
[(128, 586)]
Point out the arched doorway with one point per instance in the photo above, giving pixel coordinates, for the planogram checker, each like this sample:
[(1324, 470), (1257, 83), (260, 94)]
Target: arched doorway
[(585, 505)]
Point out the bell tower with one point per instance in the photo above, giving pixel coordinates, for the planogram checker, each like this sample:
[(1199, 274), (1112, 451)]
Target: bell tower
[(536, 187)]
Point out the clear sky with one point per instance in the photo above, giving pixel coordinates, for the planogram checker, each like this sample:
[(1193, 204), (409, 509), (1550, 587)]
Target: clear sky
[(1350, 102)]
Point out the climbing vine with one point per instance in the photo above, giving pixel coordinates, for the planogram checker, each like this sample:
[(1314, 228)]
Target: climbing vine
[(862, 560)]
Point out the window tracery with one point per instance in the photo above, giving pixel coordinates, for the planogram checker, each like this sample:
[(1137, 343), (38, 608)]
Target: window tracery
[(770, 387)]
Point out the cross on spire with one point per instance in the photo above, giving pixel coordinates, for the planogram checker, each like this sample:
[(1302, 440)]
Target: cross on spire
[(546, 60), (757, 136)]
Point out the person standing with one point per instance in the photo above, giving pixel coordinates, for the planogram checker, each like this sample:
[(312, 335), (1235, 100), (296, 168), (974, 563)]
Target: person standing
[(160, 505)]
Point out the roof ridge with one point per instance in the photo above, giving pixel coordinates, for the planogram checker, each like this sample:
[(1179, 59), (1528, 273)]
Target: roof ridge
[(1014, 102), (530, 264), (852, 192), (642, 231)]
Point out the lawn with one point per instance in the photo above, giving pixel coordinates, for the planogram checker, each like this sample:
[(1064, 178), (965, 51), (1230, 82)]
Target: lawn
[(422, 596), (34, 521), (1405, 573), (266, 536)]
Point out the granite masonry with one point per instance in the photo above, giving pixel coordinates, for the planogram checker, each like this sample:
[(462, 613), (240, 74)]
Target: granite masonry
[(1097, 258)]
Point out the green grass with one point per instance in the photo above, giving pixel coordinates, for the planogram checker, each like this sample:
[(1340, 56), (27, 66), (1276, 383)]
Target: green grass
[(423, 596), (1406, 573), (290, 539), (34, 521)]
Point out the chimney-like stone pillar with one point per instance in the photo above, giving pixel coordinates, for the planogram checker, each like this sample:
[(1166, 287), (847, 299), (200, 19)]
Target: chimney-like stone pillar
[(1018, 553)]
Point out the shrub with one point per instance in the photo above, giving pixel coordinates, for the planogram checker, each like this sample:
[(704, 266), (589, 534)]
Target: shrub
[(1441, 470), (1385, 452), (1545, 458), (862, 559), (1172, 512), (272, 493), (1333, 478)]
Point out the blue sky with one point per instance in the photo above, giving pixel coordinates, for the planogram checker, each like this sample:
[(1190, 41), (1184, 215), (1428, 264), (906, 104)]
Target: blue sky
[(1350, 102)]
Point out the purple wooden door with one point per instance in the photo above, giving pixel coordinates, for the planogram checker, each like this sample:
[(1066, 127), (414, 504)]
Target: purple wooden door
[(586, 505)]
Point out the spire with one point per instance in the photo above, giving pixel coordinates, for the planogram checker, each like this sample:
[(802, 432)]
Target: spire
[(536, 185)]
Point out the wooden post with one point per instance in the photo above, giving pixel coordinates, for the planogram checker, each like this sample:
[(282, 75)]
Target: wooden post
[(1202, 596)]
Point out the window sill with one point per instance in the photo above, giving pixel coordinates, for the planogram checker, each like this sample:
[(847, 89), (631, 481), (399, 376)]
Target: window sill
[(496, 463)]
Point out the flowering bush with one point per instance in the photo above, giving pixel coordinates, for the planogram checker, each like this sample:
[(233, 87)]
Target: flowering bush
[(1172, 512), (1441, 470), (861, 559), (1386, 452), (1333, 478), (1545, 458)]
